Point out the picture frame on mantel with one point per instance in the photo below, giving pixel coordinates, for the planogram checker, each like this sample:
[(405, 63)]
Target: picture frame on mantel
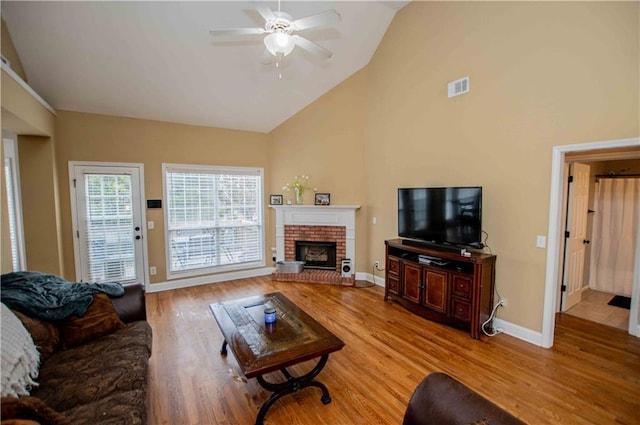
[(275, 200), (323, 199)]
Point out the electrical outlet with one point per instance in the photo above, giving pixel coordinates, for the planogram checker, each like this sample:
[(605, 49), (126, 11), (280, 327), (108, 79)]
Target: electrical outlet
[(377, 264), (152, 271), (503, 302)]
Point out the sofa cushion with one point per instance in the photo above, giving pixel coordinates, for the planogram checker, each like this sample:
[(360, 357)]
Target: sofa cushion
[(46, 335), (19, 357), (100, 319), (85, 374), (124, 407), (30, 409), (441, 399)]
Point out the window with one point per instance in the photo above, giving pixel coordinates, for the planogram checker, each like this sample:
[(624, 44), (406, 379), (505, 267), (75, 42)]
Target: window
[(13, 202), (213, 218)]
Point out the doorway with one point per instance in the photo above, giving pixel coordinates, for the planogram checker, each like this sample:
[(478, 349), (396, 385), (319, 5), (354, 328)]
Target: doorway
[(108, 224), (606, 201), (612, 149)]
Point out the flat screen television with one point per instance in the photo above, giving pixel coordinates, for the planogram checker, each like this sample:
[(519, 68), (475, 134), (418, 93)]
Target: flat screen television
[(441, 215)]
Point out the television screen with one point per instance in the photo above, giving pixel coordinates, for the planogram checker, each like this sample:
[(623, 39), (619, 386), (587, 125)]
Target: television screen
[(448, 215)]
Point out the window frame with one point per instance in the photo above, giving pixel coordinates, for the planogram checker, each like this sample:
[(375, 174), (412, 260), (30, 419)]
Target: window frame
[(221, 170)]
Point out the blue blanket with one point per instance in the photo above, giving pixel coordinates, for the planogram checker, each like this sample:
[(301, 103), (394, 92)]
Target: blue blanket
[(50, 297)]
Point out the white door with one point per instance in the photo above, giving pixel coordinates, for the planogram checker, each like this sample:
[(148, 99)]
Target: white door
[(577, 228), (108, 223)]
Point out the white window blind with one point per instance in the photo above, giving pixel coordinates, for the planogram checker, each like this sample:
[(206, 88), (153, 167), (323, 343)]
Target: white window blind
[(214, 218), (109, 230), (13, 231), (12, 185)]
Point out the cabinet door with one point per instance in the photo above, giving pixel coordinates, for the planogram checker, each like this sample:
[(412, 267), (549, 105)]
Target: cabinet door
[(411, 282), (435, 292)]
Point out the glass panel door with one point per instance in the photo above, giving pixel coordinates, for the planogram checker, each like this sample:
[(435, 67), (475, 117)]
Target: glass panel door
[(109, 224)]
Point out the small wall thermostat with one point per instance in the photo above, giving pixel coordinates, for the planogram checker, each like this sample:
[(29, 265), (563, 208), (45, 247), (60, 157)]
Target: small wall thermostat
[(154, 203)]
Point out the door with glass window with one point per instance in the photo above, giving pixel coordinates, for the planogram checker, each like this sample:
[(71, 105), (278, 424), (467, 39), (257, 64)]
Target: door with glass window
[(108, 223)]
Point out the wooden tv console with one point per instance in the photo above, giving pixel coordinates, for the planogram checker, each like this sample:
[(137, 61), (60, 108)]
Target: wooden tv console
[(446, 287)]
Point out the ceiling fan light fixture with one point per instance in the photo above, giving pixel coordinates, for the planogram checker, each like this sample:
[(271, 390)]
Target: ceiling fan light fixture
[(279, 43)]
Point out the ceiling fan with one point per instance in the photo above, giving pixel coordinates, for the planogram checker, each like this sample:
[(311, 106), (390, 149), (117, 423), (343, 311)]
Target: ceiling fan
[(281, 32)]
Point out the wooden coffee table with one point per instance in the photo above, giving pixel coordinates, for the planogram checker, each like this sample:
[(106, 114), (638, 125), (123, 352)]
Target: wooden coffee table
[(260, 348)]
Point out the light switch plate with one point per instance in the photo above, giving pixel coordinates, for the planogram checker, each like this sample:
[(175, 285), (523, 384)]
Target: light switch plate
[(541, 241)]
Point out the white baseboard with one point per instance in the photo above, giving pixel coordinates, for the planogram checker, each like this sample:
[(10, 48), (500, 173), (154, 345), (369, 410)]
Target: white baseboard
[(370, 278), (520, 332), (211, 278)]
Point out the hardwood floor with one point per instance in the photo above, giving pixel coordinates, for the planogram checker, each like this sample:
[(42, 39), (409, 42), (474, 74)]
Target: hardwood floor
[(591, 376)]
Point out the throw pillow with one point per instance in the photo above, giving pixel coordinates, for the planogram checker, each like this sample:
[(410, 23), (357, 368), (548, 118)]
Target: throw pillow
[(19, 356), (45, 334), (30, 408), (100, 319)]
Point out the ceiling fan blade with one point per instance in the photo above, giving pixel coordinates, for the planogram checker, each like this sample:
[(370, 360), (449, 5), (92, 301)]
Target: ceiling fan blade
[(232, 32), (265, 11), (267, 57), (312, 47), (322, 19)]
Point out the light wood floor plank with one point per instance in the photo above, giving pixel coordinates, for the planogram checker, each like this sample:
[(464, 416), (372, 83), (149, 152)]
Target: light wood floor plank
[(591, 376)]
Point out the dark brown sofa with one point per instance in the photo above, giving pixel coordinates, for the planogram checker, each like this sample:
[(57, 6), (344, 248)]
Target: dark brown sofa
[(441, 400), (102, 380)]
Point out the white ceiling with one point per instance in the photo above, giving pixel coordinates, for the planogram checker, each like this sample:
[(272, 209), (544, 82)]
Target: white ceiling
[(156, 60)]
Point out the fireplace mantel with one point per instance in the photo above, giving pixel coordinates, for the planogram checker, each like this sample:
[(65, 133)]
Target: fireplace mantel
[(317, 215)]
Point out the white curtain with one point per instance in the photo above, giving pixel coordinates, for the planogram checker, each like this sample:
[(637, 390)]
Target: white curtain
[(615, 225)]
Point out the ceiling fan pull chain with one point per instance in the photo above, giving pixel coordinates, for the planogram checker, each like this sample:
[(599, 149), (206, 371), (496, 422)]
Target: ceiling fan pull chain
[(278, 69)]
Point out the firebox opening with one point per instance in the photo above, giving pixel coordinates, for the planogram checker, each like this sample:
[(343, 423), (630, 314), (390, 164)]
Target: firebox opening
[(316, 255)]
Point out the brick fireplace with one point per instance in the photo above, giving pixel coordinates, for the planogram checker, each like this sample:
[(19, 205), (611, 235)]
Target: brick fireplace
[(332, 224), (317, 234)]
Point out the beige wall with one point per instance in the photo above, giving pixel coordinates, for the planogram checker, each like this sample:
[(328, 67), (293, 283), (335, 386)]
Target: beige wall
[(9, 51), (34, 124), (91, 137), (40, 206), (326, 141), (606, 167), (541, 74)]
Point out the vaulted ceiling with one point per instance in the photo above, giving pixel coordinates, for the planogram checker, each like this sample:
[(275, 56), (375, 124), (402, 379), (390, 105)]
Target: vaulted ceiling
[(156, 60)]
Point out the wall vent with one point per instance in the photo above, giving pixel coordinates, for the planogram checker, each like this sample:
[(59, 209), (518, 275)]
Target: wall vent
[(458, 87)]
